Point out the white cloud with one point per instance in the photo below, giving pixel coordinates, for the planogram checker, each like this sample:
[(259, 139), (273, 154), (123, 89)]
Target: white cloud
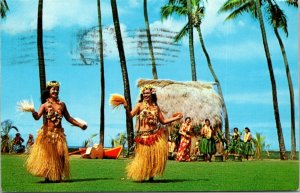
[(213, 21), (23, 14)]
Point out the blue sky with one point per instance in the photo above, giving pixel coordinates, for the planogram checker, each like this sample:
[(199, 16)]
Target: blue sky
[(235, 49)]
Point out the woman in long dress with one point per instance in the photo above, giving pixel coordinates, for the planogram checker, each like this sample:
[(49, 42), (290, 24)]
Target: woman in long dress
[(185, 141)]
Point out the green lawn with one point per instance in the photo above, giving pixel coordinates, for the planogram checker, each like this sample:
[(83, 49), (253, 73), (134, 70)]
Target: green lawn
[(93, 175)]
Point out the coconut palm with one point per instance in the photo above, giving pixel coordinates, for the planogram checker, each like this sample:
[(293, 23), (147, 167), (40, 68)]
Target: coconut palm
[(3, 8), (129, 123), (40, 47), (148, 32), (198, 13), (253, 7), (6, 127), (259, 144), (102, 79), (183, 8), (277, 20)]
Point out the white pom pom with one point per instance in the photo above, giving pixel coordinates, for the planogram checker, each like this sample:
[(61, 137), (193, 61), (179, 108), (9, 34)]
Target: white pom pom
[(25, 106), (81, 121)]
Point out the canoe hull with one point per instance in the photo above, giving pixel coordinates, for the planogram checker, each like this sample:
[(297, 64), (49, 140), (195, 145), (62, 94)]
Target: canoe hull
[(112, 153)]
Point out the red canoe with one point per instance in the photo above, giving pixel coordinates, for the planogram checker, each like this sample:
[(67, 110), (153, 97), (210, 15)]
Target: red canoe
[(112, 153), (109, 153)]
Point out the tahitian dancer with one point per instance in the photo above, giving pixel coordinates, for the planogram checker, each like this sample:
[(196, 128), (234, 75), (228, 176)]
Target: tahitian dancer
[(49, 157), (151, 153)]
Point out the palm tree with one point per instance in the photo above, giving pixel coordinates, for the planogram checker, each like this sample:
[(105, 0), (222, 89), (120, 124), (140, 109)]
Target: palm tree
[(259, 144), (6, 127), (183, 7), (3, 8), (198, 13), (40, 47), (277, 20), (154, 71), (129, 123), (102, 79), (254, 8)]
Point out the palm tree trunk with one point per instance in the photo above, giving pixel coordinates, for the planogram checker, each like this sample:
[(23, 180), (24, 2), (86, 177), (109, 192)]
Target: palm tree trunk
[(102, 79), (191, 42), (273, 83), (154, 71), (41, 47), (291, 90), (216, 80), (129, 123)]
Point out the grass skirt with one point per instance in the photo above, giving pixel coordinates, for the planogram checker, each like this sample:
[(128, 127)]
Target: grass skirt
[(151, 157), (248, 148), (207, 146), (48, 156)]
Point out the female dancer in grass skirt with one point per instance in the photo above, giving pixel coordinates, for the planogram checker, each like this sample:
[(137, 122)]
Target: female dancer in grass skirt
[(207, 143), (49, 157), (185, 141), (248, 148), (151, 151)]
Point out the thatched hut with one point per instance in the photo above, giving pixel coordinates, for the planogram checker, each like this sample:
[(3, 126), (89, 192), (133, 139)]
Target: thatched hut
[(195, 99)]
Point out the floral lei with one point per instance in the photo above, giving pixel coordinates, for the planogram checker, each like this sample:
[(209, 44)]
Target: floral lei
[(53, 115)]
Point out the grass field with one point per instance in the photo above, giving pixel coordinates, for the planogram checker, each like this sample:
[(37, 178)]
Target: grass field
[(93, 175)]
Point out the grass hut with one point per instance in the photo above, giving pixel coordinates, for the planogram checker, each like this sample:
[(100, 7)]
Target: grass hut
[(194, 99)]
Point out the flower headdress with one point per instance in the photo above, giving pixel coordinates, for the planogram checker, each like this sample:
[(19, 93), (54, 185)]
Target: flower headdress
[(53, 84), (148, 87)]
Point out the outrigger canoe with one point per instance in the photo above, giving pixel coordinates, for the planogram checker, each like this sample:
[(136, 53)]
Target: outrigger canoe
[(109, 153), (112, 153)]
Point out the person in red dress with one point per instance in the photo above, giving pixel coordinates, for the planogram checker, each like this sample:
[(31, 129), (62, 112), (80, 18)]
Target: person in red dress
[(185, 141)]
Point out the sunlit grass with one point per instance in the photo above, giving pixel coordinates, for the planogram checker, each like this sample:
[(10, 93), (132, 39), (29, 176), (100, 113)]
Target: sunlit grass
[(93, 175)]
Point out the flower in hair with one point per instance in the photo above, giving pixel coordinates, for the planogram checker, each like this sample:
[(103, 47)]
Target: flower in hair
[(53, 84), (148, 87)]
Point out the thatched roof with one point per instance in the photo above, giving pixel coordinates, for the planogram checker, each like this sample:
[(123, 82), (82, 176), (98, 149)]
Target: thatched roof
[(195, 99)]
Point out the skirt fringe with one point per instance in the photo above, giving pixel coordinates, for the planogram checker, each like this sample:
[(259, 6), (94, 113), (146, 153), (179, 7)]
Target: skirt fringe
[(48, 156), (149, 161)]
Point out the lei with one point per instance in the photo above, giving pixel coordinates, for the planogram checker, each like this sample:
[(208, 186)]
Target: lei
[(53, 115)]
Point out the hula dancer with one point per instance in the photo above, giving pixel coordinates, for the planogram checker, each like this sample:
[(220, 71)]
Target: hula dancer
[(151, 152), (248, 151), (48, 156), (207, 143), (185, 141)]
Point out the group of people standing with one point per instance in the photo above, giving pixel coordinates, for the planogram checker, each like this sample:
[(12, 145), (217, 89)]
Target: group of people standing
[(207, 142), (206, 146), (245, 144)]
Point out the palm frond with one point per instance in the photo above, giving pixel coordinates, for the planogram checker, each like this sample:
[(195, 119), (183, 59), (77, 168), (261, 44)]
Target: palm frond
[(276, 17), (292, 3), (183, 32), (3, 8), (14, 127), (230, 5), (248, 7), (168, 10)]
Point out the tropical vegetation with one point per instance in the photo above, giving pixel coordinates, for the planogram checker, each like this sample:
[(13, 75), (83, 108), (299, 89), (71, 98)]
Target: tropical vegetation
[(6, 139)]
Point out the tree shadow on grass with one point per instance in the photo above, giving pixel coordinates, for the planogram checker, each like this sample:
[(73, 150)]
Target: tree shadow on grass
[(172, 180), (76, 180)]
